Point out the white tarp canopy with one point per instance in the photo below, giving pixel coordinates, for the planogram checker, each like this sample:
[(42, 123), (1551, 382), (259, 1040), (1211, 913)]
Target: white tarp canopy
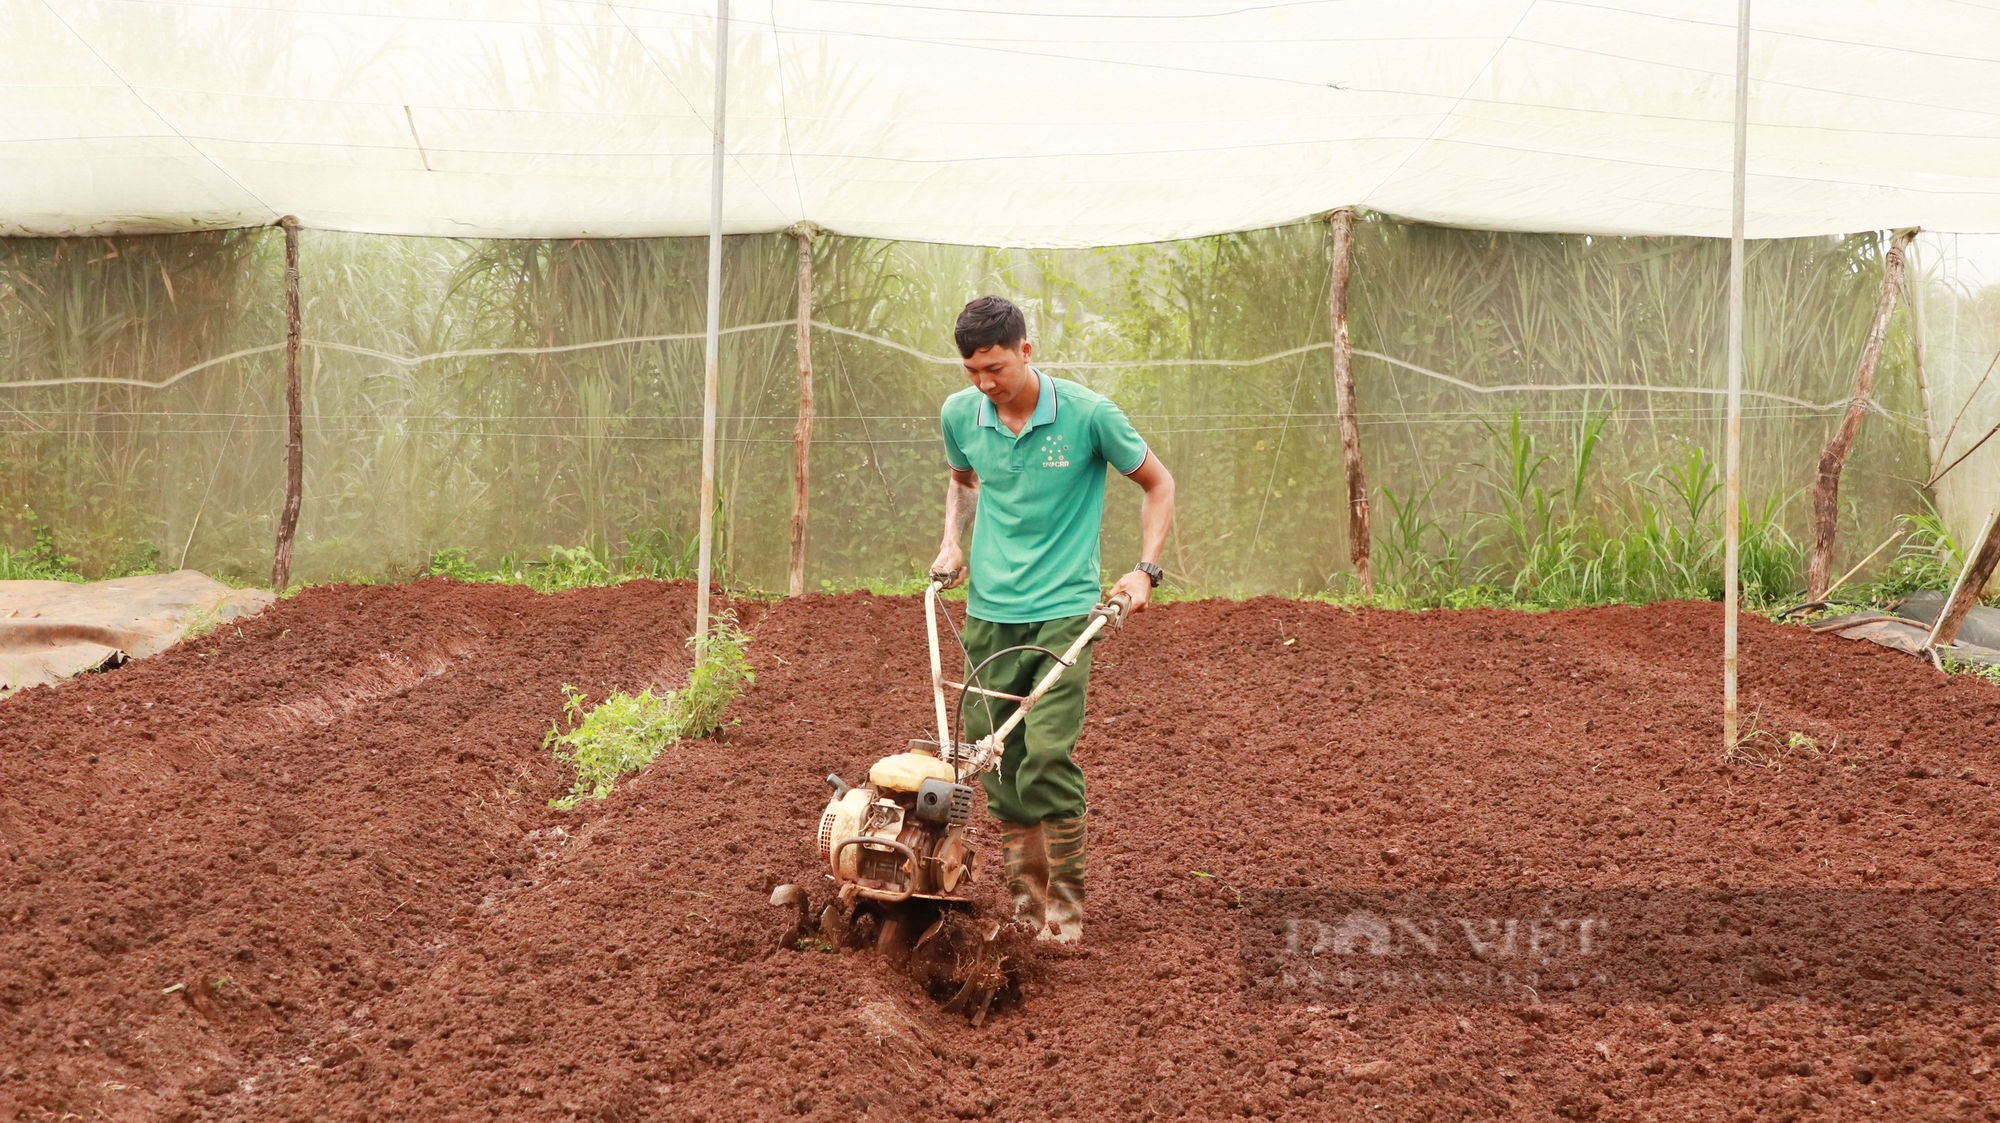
[(998, 122)]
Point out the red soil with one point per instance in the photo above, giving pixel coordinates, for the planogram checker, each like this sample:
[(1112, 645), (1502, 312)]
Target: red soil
[(358, 846)]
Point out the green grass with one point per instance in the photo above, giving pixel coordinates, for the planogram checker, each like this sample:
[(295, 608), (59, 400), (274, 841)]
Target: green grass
[(625, 732)]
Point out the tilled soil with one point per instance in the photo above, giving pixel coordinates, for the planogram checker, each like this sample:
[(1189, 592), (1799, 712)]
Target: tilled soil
[(332, 834), (208, 859)]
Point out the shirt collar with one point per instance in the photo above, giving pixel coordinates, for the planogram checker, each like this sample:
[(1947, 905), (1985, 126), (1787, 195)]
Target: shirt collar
[(1045, 406)]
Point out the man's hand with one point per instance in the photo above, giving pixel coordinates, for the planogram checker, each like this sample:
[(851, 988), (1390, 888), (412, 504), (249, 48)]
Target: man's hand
[(1137, 587), (950, 566)]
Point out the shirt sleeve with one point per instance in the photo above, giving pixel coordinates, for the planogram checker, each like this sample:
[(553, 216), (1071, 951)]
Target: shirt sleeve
[(953, 455), (1121, 445)]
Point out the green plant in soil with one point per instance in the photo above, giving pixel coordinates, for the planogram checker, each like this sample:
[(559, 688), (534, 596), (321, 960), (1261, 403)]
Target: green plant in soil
[(1961, 667), (201, 621), (566, 567), (625, 732), (1758, 747), (454, 563), (1927, 559), (655, 552), (1578, 540), (664, 555), (571, 567), (911, 586), (1236, 893), (43, 561)]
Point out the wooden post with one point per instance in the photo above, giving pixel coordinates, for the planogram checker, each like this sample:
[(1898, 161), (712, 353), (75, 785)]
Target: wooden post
[(1343, 395), (1826, 488), (1979, 567), (295, 454), (805, 232), (1913, 278)]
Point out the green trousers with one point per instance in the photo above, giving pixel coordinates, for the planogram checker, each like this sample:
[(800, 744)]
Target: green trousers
[(1036, 779)]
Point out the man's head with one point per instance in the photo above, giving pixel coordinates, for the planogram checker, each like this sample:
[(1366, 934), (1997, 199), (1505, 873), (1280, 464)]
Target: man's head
[(992, 338)]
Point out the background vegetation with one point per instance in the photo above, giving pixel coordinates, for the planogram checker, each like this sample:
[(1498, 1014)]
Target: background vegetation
[(581, 465)]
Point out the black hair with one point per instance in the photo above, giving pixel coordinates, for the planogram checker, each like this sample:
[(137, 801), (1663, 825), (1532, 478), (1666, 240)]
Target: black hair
[(990, 321)]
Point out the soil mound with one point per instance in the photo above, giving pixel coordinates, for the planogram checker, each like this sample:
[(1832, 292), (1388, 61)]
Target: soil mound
[(621, 962)]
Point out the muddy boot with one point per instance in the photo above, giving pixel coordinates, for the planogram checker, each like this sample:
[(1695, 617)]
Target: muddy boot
[(1025, 854), (1065, 907)]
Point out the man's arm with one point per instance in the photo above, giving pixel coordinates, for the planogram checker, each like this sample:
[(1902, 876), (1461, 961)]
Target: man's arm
[(1156, 517), (961, 503)]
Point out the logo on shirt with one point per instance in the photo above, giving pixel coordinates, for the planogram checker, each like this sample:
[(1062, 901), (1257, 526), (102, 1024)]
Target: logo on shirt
[(1055, 451)]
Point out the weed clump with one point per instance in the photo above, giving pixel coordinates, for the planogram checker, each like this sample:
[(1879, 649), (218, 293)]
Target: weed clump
[(1568, 542), (454, 564), (566, 567), (657, 553), (573, 567), (43, 561), (1929, 558), (202, 620), (1955, 666), (625, 732)]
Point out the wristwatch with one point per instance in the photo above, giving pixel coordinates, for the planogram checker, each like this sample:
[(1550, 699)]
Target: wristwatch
[(1152, 572)]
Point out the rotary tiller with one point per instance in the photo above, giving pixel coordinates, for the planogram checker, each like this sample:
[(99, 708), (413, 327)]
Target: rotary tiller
[(895, 849)]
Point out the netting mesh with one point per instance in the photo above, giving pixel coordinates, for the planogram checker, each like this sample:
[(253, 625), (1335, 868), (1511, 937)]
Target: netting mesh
[(1958, 302), (507, 396)]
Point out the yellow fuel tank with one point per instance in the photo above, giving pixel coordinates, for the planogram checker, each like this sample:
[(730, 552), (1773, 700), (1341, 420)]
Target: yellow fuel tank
[(906, 772)]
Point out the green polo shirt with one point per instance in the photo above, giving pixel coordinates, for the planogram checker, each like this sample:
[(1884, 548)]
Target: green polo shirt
[(1041, 497)]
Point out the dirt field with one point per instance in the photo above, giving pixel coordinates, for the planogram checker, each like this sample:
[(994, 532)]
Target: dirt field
[(304, 868)]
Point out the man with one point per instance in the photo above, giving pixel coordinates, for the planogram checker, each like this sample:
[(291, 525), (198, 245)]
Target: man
[(1027, 455)]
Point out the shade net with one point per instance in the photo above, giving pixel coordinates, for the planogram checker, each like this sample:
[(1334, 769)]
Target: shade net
[(1958, 304), (999, 122), (1535, 410)]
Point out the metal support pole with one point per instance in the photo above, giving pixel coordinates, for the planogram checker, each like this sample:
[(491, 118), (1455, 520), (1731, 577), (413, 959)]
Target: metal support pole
[(712, 345), (805, 232), (1733, 443), (295, 454)]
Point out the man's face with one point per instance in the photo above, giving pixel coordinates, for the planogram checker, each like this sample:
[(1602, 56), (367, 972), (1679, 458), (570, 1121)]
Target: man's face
[(1001, 373)]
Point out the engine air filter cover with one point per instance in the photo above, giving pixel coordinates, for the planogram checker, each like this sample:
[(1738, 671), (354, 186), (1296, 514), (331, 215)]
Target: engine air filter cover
[(943, 801)]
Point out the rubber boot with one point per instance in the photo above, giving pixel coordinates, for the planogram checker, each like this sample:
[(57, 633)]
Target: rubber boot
[(1024, 852), (1065, 906)]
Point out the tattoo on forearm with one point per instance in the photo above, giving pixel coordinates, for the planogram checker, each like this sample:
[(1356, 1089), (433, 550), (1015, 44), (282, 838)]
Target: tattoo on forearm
[(963, 510)]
